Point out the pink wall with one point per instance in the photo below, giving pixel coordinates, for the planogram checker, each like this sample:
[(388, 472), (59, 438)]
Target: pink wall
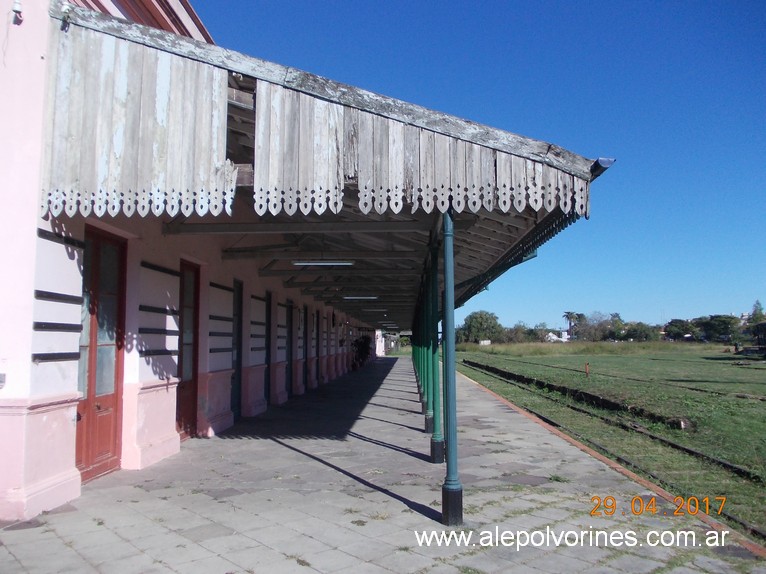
[(23, 76), (37, 479), (149, 431), (299, 386), (37, 402), (312, 373), (253, 383), (33, 479), (278, 383), (214, 403)]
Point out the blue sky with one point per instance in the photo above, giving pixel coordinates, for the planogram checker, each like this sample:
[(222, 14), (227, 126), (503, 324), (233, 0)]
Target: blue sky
[(675, 91)]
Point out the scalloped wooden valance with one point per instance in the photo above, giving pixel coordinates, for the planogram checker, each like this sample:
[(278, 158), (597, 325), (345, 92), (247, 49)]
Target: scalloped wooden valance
[(138, 129), (133, 129), (309, 152)]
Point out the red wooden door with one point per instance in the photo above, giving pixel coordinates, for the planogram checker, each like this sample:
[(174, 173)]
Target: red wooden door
[(101, 355), (188, 319)]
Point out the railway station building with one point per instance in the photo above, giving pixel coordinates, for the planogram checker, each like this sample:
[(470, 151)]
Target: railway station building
[(195, 234)]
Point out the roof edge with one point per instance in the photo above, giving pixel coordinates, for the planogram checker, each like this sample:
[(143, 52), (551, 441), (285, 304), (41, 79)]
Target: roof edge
[(324, 88)]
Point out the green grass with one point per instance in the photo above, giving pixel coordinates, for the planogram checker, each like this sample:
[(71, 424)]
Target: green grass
[(403, 352), (582, 348), (717, 391)]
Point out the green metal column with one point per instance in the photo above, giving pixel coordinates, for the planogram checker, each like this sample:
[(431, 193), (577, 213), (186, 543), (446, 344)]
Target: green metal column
[(437, 438), (427, 318), (414, 344), (429, 379), (425, 366), (452, 489), (417, 353)]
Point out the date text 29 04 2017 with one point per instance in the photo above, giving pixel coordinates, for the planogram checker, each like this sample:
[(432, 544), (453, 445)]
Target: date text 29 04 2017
[(639, 505)]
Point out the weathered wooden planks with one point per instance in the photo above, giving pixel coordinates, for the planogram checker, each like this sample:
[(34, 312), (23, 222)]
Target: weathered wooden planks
[(299, 152), (134, 129), (138, 129), (323, 88), (321, 147), (336, 151), (365, 161), (290, 136)]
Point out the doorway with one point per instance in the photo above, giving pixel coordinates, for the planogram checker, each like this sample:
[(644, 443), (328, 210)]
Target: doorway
[(306, 343), (267, 374), (236, 352), (318, 350), (188, 347), (289, 324), (99, 411)]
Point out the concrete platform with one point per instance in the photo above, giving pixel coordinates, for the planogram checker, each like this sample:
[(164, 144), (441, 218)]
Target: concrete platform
[(339, 481)]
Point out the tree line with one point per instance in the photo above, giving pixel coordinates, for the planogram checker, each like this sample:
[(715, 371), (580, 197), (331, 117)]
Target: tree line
[(483, 325)]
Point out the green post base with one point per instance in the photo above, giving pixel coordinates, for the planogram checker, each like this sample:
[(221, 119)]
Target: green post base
[(437, 451), (452, 507)]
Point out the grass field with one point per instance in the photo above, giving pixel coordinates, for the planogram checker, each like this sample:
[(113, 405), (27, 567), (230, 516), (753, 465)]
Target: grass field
[(720, 397)]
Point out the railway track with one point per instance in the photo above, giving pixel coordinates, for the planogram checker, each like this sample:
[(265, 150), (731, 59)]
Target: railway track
[(641, 380), (541, 390)]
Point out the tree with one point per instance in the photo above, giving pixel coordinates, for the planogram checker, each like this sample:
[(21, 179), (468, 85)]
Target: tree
[(577, 322), (594, 327), (678, 329), (581, 324), (718, 327), (756, 324), (480, 326), (538, 333), (616, 330), (571, 319), (756, 315), (638, 331), (759, 334), (517, 333)]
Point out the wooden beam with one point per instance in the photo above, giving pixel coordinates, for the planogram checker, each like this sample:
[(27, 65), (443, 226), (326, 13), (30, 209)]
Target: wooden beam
[(485, 234), (338, 272), (255, 252), (382, 303), (323, 227), (406, 292), (241, 99), (243, 116), (245, 176), (511, 219), (321, 283), (390, 306)]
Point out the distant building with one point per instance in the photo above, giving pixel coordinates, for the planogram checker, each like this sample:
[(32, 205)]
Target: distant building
[(562, 337), (380, 343)]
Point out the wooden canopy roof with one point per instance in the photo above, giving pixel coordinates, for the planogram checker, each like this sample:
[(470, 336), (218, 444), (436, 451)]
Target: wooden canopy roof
[(289, 168)]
